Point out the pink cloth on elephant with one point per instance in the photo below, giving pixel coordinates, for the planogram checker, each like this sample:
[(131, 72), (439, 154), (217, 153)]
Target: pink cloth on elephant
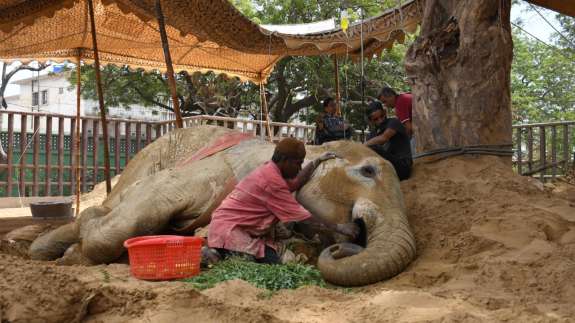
[(222, 143), (247, 214)]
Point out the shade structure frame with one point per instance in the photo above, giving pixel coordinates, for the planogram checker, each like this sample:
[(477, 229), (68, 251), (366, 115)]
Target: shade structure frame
[(128, 34)]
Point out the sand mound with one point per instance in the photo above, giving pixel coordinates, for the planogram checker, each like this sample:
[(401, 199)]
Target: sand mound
[(42, 292), (492, 246), (500, 242)]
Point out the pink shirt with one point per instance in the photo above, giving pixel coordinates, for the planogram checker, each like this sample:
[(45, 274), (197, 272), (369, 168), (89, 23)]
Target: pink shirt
[(403, 107), (247, 214)]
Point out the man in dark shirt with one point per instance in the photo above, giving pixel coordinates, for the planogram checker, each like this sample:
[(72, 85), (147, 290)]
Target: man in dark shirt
[(333, 126), (390, 140), (403, 105)]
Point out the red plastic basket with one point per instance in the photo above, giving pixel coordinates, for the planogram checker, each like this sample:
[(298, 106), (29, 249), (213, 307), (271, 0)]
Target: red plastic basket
[(164, 257)]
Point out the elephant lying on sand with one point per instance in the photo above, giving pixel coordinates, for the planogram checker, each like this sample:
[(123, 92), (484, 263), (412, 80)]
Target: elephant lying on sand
[(176, 182)]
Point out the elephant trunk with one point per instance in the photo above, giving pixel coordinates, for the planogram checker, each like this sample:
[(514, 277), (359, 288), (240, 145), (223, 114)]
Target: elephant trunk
[(390, 247)]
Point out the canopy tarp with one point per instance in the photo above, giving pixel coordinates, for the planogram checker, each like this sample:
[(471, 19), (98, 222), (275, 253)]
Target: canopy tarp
[(203, 37), (566, 7)]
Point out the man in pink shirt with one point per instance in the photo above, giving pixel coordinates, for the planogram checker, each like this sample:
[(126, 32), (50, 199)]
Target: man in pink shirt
[(243, 221), (403, 105)]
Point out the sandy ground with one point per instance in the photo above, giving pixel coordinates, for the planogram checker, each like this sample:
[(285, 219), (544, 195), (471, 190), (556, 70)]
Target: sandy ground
[(492, 247)]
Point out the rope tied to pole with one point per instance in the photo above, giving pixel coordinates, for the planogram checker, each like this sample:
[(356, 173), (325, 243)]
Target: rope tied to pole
[(494, 150), (18, 161)]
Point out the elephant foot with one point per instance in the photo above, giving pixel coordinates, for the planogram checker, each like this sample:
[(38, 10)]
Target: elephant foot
[(74, 256)]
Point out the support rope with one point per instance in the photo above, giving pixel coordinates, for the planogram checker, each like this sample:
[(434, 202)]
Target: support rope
[(495, 150), (18, 162)]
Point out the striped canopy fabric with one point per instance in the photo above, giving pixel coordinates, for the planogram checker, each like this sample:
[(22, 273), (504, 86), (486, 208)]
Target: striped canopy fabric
[(203, 37)]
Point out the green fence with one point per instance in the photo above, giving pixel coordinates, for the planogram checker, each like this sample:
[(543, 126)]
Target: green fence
[(67, 174)]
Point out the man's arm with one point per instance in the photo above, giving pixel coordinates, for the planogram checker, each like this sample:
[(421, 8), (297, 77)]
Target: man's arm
[(336, 126), (343, 126), (349, 229), (408, 128), (381, 139), (305, 174)]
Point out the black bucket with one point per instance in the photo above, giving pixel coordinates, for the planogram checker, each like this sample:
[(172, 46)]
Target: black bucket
[(51, 209)]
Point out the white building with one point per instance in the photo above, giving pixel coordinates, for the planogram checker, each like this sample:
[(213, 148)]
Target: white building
[(53, 94)]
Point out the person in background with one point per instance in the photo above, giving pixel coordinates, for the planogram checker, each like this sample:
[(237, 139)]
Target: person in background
[(389, 139), (243, 223), (403, 106), (332, 126)]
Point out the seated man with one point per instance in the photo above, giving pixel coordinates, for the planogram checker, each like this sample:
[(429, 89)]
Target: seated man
[(403, 106), (333, 126), (390, 140), (242, 223), (320, 131)]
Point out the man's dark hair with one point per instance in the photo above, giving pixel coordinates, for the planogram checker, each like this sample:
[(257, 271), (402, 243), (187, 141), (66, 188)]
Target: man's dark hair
[(278, 157), (327, 101), (373, 106), (288, 149), (387, 92)]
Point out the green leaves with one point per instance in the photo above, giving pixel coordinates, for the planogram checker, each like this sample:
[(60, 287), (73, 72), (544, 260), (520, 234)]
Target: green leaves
[(542, 81), (296, 84), (270, 277), (124, 87)]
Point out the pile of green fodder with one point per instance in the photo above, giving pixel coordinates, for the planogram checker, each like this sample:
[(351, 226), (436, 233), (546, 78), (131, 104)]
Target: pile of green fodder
[(270, 277)]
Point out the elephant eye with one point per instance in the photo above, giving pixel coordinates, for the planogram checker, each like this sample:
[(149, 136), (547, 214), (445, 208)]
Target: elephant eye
[(367, 171)]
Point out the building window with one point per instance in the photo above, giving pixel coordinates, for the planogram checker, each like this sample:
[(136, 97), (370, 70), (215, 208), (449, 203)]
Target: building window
[(45, 97), (61, 90), (34, 99)]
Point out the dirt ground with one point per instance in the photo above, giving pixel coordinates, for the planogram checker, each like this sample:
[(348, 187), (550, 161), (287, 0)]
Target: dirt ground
[(492, 247)]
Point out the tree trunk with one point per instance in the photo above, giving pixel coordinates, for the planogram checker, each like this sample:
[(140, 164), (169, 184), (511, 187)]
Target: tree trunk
[(460, 68)]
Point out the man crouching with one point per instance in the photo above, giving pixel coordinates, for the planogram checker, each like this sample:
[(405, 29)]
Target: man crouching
[(242, 223)]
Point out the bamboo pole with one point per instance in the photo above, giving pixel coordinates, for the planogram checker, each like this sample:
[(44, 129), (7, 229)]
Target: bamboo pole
[(100, 99), (77, 143), (169, 66), (265, 108), (337, 94)]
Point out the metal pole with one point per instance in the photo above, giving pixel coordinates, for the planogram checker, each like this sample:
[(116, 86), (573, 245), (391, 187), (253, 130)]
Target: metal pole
[(169, 67), (337, 94), (77, 143), (39, 94), (100, 99), (362, 71), (265, 110)]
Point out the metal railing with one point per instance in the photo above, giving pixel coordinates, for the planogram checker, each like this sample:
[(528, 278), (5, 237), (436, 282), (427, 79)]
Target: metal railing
[(544, 149), (279, 130), (41, 152)]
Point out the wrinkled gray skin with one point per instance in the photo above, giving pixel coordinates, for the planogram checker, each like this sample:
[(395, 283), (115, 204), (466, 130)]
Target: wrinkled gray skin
[(156, 193)]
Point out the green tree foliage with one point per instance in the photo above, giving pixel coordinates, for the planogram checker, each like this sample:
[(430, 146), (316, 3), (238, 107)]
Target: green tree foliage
[(567, 37), (543, 76), (298, 84), (295, 88), (198, 93)]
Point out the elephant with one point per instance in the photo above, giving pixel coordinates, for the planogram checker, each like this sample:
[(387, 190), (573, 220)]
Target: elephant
[(175, 182)]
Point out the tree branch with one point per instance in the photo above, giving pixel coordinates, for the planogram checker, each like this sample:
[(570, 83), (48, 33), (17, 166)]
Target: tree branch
[(7, 76), (151, 100), (292, 108)]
